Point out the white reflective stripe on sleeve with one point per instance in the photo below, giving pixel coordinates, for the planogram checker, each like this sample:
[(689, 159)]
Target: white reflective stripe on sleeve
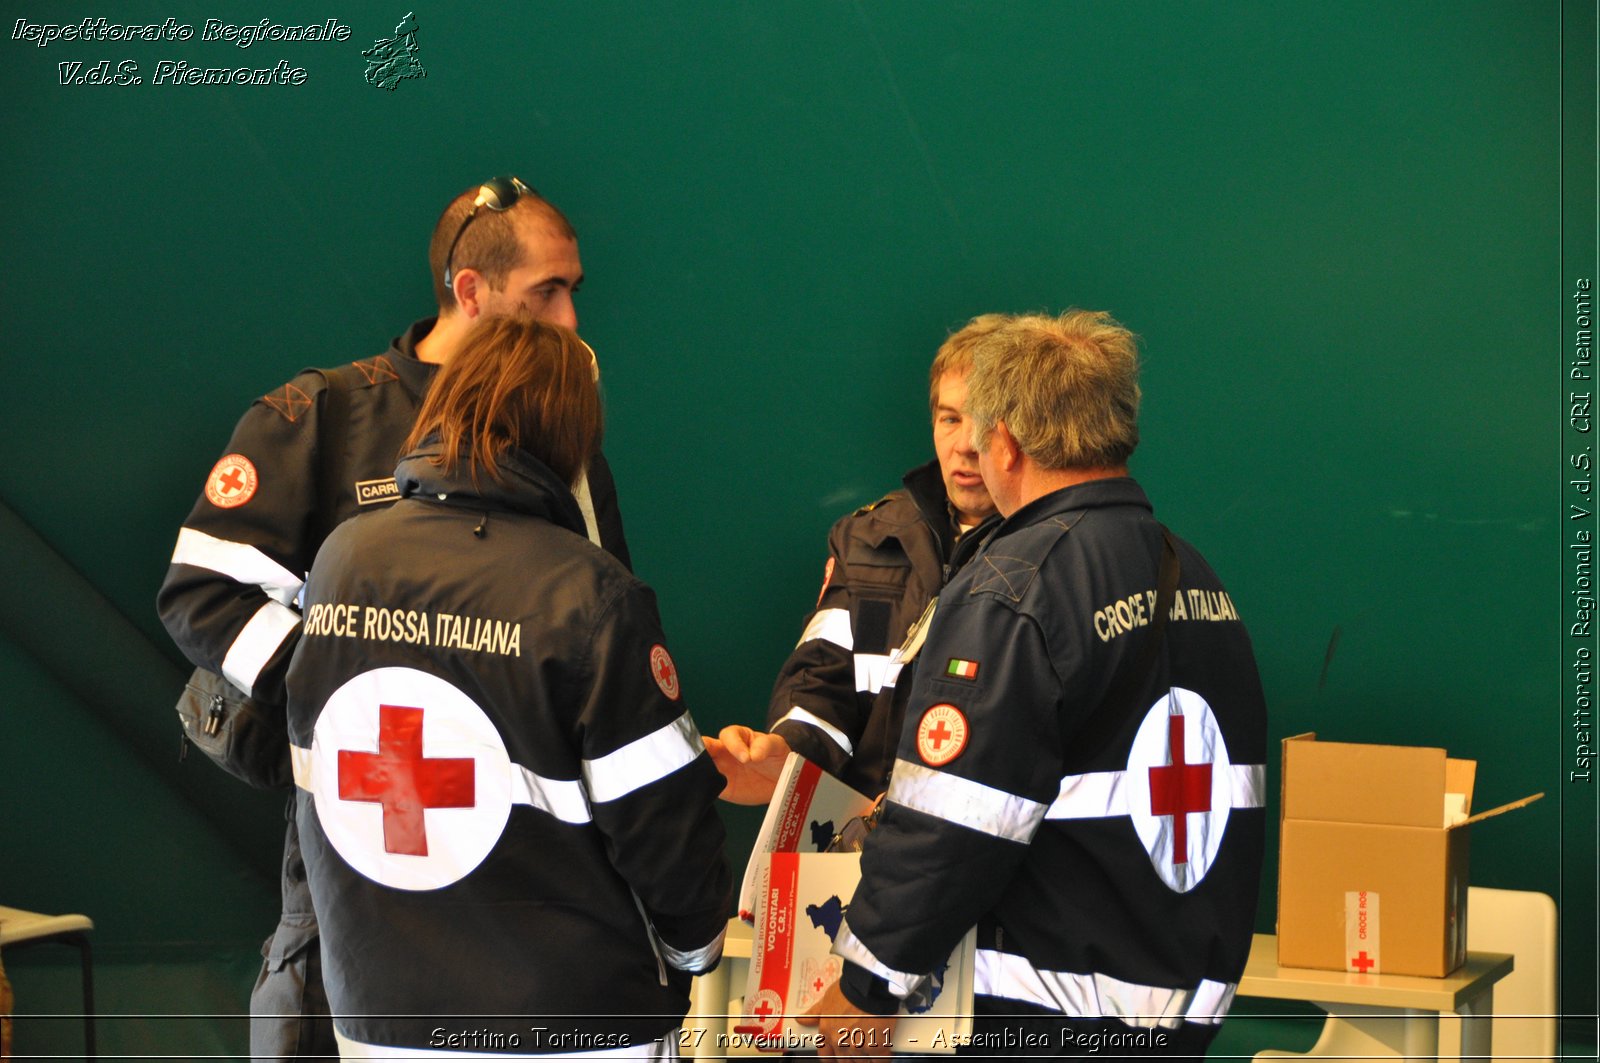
[(257, 642), (237, 561), (1249, 785), (964, 802), (300, 764), (697, 959), (1094, 996), (591, 526), (799, 715), (1091, 795), (873, 672), (1211, 1002), (562, 798), (833, 625), (643, 761), (850, 947), (1097, 794)]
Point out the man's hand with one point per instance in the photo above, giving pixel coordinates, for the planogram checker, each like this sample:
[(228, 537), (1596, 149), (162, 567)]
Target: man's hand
[(847, 1031), (750, 760)]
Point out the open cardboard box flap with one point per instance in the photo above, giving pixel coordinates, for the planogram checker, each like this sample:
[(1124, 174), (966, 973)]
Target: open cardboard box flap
[(1509, 806), (1402, 786)]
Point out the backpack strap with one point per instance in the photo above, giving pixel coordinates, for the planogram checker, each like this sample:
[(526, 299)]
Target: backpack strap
[(1109, 714)]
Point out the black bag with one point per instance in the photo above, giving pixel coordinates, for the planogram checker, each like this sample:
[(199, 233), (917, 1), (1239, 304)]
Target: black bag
[(246, 738)]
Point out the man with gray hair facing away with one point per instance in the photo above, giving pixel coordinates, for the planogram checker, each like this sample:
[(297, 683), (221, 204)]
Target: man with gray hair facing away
[(1081, 770)]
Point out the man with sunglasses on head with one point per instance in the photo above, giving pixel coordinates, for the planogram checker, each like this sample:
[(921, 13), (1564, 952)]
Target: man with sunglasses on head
[(313, 453)]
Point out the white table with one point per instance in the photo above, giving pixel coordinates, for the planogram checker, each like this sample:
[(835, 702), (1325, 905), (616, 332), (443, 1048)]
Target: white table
[(1394, 1012)]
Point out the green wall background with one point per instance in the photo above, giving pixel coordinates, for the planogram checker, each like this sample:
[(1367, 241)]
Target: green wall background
[(1336, 228)]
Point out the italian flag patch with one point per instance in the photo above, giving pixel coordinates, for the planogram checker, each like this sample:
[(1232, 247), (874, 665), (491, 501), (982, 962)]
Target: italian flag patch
[(961, 669)]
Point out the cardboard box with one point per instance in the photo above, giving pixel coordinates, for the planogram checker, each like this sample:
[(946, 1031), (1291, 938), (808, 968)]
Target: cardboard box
[(1372, 872)]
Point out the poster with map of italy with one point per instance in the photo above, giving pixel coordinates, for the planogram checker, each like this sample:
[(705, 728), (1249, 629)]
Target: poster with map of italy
[(800, 900), (807, 809)]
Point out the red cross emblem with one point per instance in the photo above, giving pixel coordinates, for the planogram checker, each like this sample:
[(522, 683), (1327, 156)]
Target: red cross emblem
[(1363, 963), (664, 672), (765, 1011), (377, 768), (1179, 789), (232, 482), (403, 781), (941, 735)]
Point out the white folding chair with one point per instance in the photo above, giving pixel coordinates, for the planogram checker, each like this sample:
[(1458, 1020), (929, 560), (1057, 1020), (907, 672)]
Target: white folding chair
[(20, 928)]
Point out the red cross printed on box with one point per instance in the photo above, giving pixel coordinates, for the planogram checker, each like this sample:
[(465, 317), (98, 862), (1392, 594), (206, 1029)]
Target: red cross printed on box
[(1363, 962), (405, 782), (1179, 789)]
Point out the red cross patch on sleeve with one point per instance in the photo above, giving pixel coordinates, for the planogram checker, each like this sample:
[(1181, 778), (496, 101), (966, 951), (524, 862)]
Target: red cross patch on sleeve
[(941, 735), (232, 482), (664, 672)]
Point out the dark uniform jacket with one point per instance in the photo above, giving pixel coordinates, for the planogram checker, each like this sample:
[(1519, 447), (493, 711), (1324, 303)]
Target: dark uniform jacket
[(834, 701), (1113, 878), (495, 761), (230, 597)]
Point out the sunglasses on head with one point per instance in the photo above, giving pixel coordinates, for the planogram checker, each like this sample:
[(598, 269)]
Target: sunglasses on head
[(498, 194)]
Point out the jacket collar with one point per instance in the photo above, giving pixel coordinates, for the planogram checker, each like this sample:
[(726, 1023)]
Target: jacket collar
[(526, 486), (1095, 494), (414, 373), (925, 485)]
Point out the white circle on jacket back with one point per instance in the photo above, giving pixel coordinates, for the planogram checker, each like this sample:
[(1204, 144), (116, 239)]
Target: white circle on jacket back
[(411, 780), (1179, 794)]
